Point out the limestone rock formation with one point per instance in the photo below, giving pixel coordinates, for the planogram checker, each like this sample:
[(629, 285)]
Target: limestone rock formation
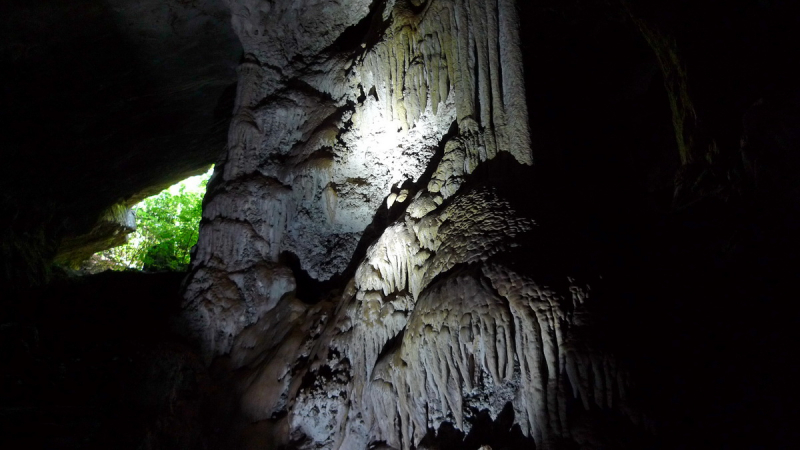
[(339, 122), (430, 328), (436, 224), (111, 230)]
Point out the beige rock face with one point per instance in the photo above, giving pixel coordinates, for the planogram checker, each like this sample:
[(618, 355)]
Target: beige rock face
[(431, 327)]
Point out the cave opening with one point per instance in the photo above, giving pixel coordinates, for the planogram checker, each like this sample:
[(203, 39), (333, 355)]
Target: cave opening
[(166, 227)]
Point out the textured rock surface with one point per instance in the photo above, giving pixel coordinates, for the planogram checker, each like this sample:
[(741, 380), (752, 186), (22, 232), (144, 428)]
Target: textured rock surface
[(110, 231), (352, 281), (338, 133)]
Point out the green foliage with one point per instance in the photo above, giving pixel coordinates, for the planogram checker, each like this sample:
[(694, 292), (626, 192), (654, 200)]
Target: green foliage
[(166, 230)]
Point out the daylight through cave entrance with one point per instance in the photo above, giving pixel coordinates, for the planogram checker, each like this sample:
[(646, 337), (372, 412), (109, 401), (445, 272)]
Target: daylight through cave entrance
[(166, 230)]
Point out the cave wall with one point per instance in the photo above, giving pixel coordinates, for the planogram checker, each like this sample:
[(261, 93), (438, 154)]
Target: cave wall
[(453, 223), (366, 159), (566, 225)]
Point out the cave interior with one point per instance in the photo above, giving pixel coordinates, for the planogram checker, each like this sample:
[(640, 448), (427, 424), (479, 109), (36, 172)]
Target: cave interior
[(694, 245)]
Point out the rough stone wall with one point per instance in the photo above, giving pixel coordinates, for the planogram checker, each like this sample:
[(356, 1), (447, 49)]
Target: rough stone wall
[(351, 112)]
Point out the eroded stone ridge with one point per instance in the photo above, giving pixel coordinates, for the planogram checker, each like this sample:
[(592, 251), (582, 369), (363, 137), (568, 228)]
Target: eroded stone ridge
[(431, 328)]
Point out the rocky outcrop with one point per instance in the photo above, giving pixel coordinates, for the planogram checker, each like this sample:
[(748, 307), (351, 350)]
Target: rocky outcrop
[(110, 231), (351, 153)]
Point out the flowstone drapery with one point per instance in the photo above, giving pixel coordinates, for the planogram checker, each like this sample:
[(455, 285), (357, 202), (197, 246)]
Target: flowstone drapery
[(349, 116)]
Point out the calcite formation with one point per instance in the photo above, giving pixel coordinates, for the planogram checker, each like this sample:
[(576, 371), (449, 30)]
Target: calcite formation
[(358, 129)]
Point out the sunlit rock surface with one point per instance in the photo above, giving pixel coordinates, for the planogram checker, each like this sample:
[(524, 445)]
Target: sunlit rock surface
[(356, 135)]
